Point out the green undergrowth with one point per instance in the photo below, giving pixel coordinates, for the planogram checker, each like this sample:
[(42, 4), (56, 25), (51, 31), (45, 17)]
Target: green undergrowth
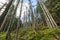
[(2, 35), (31, 34)]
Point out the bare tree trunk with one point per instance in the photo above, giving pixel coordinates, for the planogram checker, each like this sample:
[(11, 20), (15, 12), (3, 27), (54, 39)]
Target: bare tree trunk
[(18, 24), (31, 11), (12, 19), (35, 21), (29, 16), (4, 15), (51, 23)]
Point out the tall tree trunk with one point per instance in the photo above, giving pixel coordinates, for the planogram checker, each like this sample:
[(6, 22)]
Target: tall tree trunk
[(5, 12), (31, 11), (12, 19), (18, 23), (46, 13)]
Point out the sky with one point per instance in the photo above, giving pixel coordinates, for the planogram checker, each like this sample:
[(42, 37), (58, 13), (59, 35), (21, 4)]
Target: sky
[(34, 2)]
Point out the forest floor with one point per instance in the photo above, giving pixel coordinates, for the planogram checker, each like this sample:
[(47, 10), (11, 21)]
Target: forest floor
[(42, 33)]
